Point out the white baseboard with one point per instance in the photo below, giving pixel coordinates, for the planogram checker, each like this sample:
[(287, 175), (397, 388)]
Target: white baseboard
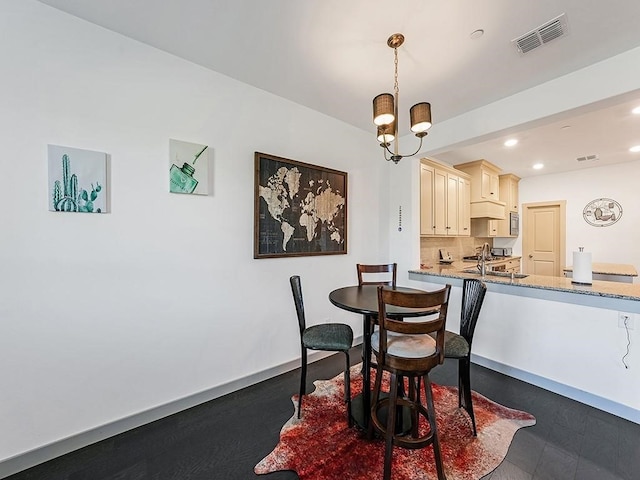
[(587, 398)]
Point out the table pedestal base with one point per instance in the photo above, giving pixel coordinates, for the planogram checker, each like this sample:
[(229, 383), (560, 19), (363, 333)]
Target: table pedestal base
[(362, 421)]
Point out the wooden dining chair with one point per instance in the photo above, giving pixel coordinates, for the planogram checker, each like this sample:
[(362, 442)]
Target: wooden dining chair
[(332, 337), (378, 274), (408, 350), (458, 346)]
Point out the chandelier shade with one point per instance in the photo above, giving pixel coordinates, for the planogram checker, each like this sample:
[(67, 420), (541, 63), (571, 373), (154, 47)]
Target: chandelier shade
[(387, 133), (383, 109), (420, 115)]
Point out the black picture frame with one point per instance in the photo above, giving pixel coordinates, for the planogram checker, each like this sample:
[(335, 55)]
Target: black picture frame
[(299, 209)]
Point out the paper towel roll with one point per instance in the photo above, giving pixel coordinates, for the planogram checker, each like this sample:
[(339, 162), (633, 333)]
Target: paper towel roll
[(582, 272)]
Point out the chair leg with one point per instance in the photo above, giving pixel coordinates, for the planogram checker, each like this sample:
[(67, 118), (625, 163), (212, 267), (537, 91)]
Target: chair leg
[(434, 429), (464, 390), (303, 380), (414, 397), (366, 340), (347, 388), (391, 423)]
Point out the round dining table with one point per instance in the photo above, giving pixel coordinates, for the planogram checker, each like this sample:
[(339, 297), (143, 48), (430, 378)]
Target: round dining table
[(363, 299)]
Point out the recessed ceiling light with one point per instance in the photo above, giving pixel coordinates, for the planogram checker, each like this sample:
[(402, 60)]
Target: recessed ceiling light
[(635, 149), (538, 166), (511, 142), (636, 111), (476, 34)]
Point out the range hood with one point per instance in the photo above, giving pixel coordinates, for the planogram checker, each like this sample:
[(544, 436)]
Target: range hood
[(491, 209)]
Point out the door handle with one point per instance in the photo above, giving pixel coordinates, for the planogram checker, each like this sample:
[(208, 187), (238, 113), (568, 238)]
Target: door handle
[(530, 256)]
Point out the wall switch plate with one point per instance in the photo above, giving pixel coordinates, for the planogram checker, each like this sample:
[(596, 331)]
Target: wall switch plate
[(628, 317)]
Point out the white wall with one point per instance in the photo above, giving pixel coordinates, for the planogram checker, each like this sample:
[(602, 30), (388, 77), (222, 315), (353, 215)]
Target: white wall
[(617, 243), (105, 316)]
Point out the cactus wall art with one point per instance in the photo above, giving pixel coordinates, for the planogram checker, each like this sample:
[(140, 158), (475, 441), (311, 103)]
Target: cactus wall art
[(188, 167), (77, 180)]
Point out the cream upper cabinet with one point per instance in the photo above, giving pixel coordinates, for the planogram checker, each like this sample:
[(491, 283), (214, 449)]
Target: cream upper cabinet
[(444, 200), (427, 225), (508, 193), (484, 227), (439, 202), (464, 207), (485, 183), (453, 219)]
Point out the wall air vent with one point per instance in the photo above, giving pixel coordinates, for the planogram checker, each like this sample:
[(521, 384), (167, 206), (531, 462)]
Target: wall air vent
[(541, 35), (587, 158)]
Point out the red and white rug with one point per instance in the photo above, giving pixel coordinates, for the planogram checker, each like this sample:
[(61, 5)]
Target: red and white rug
[(321, 446)]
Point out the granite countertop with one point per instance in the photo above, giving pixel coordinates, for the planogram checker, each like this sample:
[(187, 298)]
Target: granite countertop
[(629, 291), (611, 269)]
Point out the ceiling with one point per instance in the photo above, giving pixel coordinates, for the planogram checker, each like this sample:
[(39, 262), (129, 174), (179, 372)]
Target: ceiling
[(331, 56)]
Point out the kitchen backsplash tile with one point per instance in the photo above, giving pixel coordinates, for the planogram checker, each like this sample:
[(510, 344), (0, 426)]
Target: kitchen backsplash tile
[(457, 246)]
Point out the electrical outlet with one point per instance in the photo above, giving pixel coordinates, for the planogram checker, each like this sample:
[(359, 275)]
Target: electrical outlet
[(628, 317)]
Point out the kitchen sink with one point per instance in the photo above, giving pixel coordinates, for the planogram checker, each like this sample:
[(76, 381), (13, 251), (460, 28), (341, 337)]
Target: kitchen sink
[(495, 274)]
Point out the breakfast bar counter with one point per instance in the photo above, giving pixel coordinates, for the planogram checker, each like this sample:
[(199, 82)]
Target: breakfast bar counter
[(600, 293), (575, 340), (614, 272)]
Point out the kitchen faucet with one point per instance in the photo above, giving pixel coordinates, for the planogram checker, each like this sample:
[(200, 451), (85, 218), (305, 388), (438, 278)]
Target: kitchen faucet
[(484, 254)]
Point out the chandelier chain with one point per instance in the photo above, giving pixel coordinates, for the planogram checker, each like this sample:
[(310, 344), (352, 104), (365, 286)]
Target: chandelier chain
[(395, 77)]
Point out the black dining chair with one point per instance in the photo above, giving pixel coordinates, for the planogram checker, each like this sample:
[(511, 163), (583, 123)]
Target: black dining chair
[(333, 337), (458, 346), (408, 350)]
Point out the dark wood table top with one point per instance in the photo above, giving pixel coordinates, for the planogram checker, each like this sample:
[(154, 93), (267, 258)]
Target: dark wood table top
[(364, 300)]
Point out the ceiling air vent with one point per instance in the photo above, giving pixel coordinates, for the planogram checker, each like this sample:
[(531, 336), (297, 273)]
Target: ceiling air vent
[(543, 34), (587, 158)]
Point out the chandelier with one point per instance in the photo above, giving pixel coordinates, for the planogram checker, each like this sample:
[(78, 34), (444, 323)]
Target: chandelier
[(385, 112)]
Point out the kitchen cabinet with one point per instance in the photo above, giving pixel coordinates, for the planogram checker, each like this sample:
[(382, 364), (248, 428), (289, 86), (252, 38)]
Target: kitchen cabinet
[(427, 179), (485, 199), (444, 200), (485, 181), (464, 207), (509, 191), (509, 194), (484, 227)]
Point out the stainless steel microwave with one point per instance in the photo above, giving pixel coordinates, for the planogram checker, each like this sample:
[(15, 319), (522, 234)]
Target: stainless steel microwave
[(514, 224)]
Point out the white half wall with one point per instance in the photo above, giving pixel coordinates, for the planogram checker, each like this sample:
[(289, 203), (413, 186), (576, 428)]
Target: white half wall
[(106, 316)]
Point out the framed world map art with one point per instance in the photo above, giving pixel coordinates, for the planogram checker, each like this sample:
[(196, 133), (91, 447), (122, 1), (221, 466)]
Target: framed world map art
[(300, 209)]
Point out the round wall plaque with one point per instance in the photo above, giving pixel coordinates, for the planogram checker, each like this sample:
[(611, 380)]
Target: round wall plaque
[(602, 212)]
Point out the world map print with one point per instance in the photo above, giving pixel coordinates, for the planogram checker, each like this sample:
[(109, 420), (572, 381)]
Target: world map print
[(301, 208)]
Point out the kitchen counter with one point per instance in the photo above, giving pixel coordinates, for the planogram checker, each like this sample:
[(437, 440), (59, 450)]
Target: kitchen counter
[(605, 289), (615, 272)]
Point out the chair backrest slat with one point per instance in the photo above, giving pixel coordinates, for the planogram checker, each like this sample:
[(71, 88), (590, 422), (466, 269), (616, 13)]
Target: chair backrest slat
[(473, 293), (296, 289)]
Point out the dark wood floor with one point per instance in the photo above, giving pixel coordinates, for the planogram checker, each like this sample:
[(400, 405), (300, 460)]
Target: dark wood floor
[(224, 439)]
